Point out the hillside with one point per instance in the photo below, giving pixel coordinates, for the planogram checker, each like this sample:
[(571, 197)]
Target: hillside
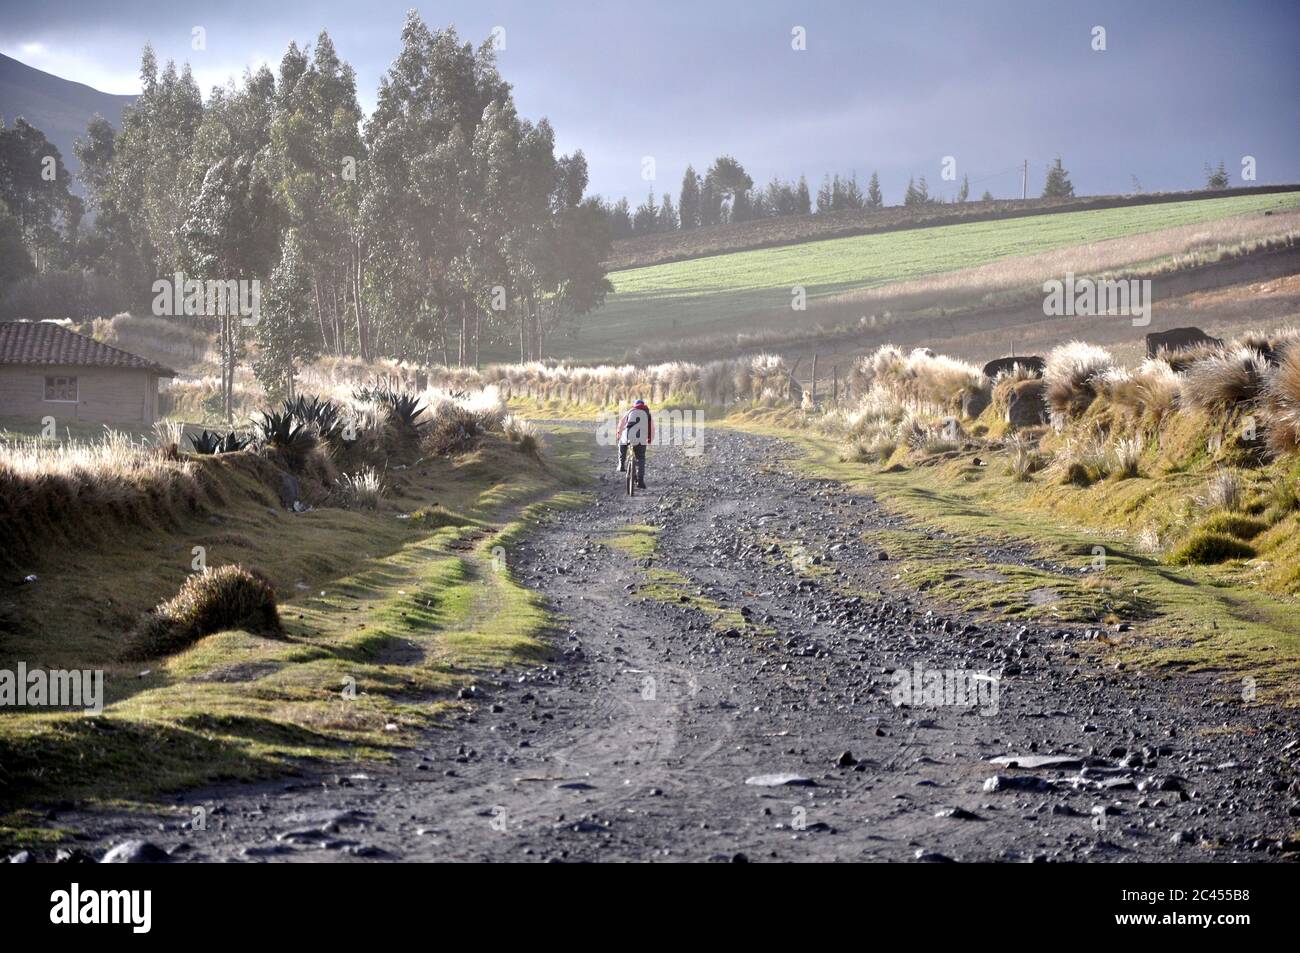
[(725, 239), (685, 304), (58, 107)]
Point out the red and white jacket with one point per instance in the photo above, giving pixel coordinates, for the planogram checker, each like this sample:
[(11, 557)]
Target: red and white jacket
[(636, 428)]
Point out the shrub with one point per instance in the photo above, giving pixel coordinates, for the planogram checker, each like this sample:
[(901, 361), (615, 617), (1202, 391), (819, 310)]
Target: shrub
[(1071, 374), (1204, 547), (215, 600), (453, 430)]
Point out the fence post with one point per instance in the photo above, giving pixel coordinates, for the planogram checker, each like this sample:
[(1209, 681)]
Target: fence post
[(814, 381)]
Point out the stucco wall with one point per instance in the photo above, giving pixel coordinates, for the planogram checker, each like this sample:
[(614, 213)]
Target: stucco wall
[(105, 395)]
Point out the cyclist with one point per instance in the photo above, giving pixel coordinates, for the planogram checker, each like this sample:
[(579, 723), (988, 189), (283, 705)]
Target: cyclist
[(636, 429)]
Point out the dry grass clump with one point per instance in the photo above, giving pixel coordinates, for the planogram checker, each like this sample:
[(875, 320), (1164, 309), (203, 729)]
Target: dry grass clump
[(921, 379), (1126, 455), (361, 490), (1071, 376), (215, 600), (757, 378), (1224, 379), (1224, 491), (1281, 403), (522, 435), (1270, 343), (1085, 458), (1148, 394), (1024, 458)]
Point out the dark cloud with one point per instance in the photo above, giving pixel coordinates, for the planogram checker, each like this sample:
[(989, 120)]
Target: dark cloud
[(893, 87)]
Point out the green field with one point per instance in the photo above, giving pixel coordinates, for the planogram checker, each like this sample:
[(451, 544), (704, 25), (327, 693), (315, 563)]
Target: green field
[(722, 294)]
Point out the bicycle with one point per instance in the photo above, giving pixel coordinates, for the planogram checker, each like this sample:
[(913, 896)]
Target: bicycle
[(631, 471)]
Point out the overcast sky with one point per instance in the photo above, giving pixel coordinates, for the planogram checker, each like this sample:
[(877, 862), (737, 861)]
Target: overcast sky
[(891, 86)]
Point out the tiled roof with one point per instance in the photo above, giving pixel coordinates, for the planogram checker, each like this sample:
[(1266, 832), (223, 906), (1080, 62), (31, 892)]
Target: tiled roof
[(40, 342)]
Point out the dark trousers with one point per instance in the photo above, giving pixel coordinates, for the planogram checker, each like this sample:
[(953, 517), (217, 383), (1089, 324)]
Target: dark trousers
[(638, 452)]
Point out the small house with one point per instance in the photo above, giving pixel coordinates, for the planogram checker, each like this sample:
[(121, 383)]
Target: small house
[(48, 371)]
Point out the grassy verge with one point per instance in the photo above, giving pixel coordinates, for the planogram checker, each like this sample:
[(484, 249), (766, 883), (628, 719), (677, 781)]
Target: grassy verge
[(1070, 554), (387, 613)]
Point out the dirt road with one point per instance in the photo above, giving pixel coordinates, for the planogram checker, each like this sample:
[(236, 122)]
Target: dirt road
[(719, 694)]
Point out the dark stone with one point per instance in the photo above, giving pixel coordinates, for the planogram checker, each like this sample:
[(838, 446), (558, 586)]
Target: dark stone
[(289, 491)]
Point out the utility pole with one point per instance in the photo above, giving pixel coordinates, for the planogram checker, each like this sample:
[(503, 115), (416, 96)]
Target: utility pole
[(1024, 181)]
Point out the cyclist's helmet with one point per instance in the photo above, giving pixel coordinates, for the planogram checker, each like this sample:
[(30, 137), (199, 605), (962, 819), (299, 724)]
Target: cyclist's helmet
[(639, 404)]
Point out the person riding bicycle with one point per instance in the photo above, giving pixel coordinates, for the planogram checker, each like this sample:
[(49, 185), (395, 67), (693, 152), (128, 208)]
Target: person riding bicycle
[(636, 429)]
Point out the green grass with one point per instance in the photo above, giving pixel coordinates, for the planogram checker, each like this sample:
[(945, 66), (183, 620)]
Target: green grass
[(722, 293), (384, 619)]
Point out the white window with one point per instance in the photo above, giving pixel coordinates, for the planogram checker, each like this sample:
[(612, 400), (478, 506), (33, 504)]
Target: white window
[(61, 389)]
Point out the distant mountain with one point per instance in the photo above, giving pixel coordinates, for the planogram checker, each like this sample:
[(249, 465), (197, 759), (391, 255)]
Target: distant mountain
[(58, 107)]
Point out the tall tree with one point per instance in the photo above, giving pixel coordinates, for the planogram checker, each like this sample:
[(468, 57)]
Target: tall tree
[(646, 219), (688, 201), (1216, 178), (730, 185), (803, 201), (284, 334), (825, 196), (668, 218), (964, 192), (318, 158), (153, 178), (874, 198), (419, 195), (35, 185), (1058, 185)]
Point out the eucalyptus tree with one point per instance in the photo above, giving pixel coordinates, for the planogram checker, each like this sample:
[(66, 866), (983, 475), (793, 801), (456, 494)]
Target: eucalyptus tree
[(317, 160), (284, 333), (35, 185), (151, 178), (416, 209)]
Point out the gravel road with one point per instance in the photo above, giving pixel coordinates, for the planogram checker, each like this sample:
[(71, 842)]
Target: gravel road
[(658, 732)]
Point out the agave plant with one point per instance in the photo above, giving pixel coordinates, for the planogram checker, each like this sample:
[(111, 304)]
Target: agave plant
[(213, 441), (233, 443), (374, 392), (404, 411), (321, 413), (205, 443), (282, 430)]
